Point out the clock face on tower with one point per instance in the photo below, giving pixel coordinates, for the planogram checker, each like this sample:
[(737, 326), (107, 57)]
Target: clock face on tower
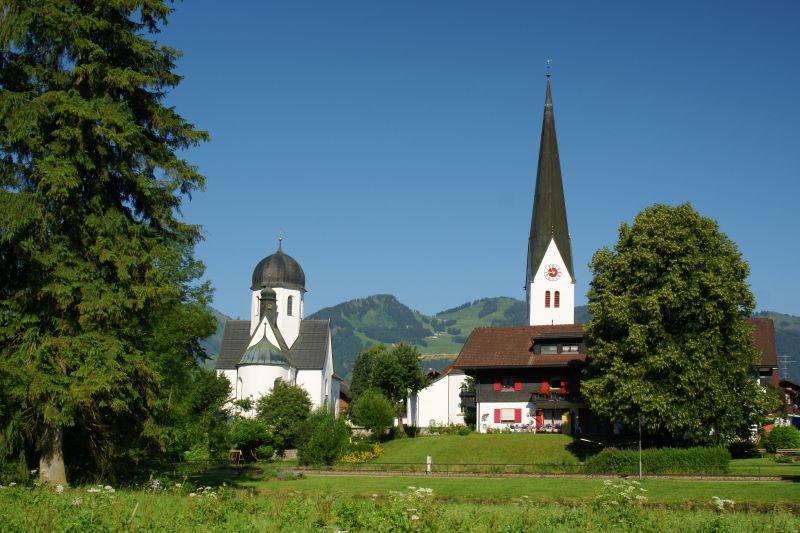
[(552, 272)]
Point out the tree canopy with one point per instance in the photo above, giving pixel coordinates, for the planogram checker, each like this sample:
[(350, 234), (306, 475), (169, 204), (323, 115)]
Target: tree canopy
[(668, 338), (100, 310), (394, 371), (283, 410)]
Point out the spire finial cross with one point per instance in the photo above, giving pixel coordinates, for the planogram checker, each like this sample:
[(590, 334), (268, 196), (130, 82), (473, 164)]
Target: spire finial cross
[(280, 238), (548, 65)]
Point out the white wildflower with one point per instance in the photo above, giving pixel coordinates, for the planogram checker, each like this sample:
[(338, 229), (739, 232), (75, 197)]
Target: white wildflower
[(640, 497), (414, 517), (607, 482), (59, 488), (77, 501), (192, 494), (411, 488), (614, 502), (374, 495), (34, 471), (12, 484), (177, 485), (93, 489)]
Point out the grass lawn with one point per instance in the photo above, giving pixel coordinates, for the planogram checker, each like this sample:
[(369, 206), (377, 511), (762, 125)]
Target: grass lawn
[(475, 448)]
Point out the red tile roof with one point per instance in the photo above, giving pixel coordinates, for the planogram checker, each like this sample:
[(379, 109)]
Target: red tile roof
[(764, 339), (512, 346)]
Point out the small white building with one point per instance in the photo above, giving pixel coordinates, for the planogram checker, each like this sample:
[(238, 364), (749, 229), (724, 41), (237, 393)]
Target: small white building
[(440, 402), (276, 342)]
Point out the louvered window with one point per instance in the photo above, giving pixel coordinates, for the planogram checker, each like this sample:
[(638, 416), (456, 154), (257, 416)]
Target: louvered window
[(547, 298), (557, 299)]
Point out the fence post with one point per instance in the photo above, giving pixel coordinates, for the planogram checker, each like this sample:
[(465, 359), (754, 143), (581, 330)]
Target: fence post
[(429, 465)]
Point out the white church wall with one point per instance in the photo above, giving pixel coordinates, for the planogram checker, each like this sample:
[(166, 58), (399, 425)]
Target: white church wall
[(257, 380), (312, 381), (565, 312), (439, 402), (289, 325)]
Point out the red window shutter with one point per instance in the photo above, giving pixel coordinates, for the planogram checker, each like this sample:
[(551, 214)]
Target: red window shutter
[(517, 385), (556, 298), (517, 415), (497, 386), (547, 298), (497, 416)]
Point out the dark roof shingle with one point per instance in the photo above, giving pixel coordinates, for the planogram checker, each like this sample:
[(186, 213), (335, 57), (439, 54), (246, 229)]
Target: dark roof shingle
[(307, 353), (235, 338), (764, 340), (513, 346)]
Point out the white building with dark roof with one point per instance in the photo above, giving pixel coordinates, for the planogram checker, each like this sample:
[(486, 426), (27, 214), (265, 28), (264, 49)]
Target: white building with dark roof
[(276, 342)]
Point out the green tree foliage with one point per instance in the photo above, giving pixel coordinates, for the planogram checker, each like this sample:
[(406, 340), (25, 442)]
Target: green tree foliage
[(373, 411), (668, 336), (283, 411), (323, 438), (396, 372), (782, 437), (100, 313), (248, 435)]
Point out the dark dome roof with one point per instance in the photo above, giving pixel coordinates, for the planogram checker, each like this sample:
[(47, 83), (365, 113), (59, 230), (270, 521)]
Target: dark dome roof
[(279, 270)]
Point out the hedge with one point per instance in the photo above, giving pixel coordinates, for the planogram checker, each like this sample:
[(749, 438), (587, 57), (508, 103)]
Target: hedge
[(660, 461)]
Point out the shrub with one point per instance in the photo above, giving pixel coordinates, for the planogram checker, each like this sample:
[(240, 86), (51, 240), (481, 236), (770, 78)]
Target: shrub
[(373, 411), (322, 439), (363, 456), (660, 461), (782, 437), (247, 435), (464, 431), (265, 452)]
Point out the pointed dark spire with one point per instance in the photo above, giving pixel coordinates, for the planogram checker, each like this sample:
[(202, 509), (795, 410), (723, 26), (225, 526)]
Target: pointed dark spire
[(549, 217)]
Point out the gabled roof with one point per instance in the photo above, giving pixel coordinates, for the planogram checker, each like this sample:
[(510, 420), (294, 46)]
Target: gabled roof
[(307, 353), (764, 340), (309, 350), (549, 218), (235, 338), (513, 346)]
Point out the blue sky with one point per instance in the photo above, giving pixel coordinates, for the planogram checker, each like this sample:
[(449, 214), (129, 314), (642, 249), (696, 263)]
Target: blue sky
[(396, 142)]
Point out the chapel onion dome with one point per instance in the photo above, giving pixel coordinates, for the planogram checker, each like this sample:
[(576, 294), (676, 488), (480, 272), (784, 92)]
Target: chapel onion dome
[(279, 270), (264, 353)]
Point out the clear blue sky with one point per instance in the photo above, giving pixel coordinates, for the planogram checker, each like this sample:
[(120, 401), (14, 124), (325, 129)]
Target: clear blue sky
[(395, 142)]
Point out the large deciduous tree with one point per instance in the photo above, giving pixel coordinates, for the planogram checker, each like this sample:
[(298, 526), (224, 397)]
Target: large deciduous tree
[(668, 338), (99, 307)]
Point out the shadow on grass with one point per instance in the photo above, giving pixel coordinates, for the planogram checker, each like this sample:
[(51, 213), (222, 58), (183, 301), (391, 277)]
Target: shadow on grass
[(585, 446)]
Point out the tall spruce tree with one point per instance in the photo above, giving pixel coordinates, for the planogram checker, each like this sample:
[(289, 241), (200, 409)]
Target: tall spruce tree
[(668, 338), (97, 272)]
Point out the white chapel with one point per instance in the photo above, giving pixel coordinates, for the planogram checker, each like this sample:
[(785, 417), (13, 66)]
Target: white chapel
[(276, 342)]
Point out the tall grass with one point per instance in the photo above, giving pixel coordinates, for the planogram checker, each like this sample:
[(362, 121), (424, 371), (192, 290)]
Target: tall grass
[(171, 508)]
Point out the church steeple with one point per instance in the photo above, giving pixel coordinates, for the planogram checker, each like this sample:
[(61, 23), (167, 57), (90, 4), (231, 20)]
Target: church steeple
[(549, 219), (550, 280)]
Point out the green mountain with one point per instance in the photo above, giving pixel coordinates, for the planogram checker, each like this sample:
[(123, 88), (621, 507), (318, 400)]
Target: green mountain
[(359, 323), (211, 344)]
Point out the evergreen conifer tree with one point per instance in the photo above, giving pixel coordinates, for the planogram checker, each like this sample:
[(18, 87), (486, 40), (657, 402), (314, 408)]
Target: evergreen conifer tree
[(100, 312)]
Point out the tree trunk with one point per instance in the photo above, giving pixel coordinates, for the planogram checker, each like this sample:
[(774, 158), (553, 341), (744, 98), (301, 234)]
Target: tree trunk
[(51, 462)]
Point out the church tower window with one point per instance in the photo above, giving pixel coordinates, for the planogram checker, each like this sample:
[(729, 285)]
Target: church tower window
[(557, 299), (289, 305), (547, 298)]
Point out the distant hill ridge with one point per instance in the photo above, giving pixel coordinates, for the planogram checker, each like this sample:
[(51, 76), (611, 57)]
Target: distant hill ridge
[(359, 323)]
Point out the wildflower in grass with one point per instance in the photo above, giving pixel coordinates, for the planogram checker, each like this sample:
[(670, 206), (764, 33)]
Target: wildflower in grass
[(77, 501), (414, 517), (93, 489), (59, 488), (192, 494), (155, 484), (178, 485), (12, 484)]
